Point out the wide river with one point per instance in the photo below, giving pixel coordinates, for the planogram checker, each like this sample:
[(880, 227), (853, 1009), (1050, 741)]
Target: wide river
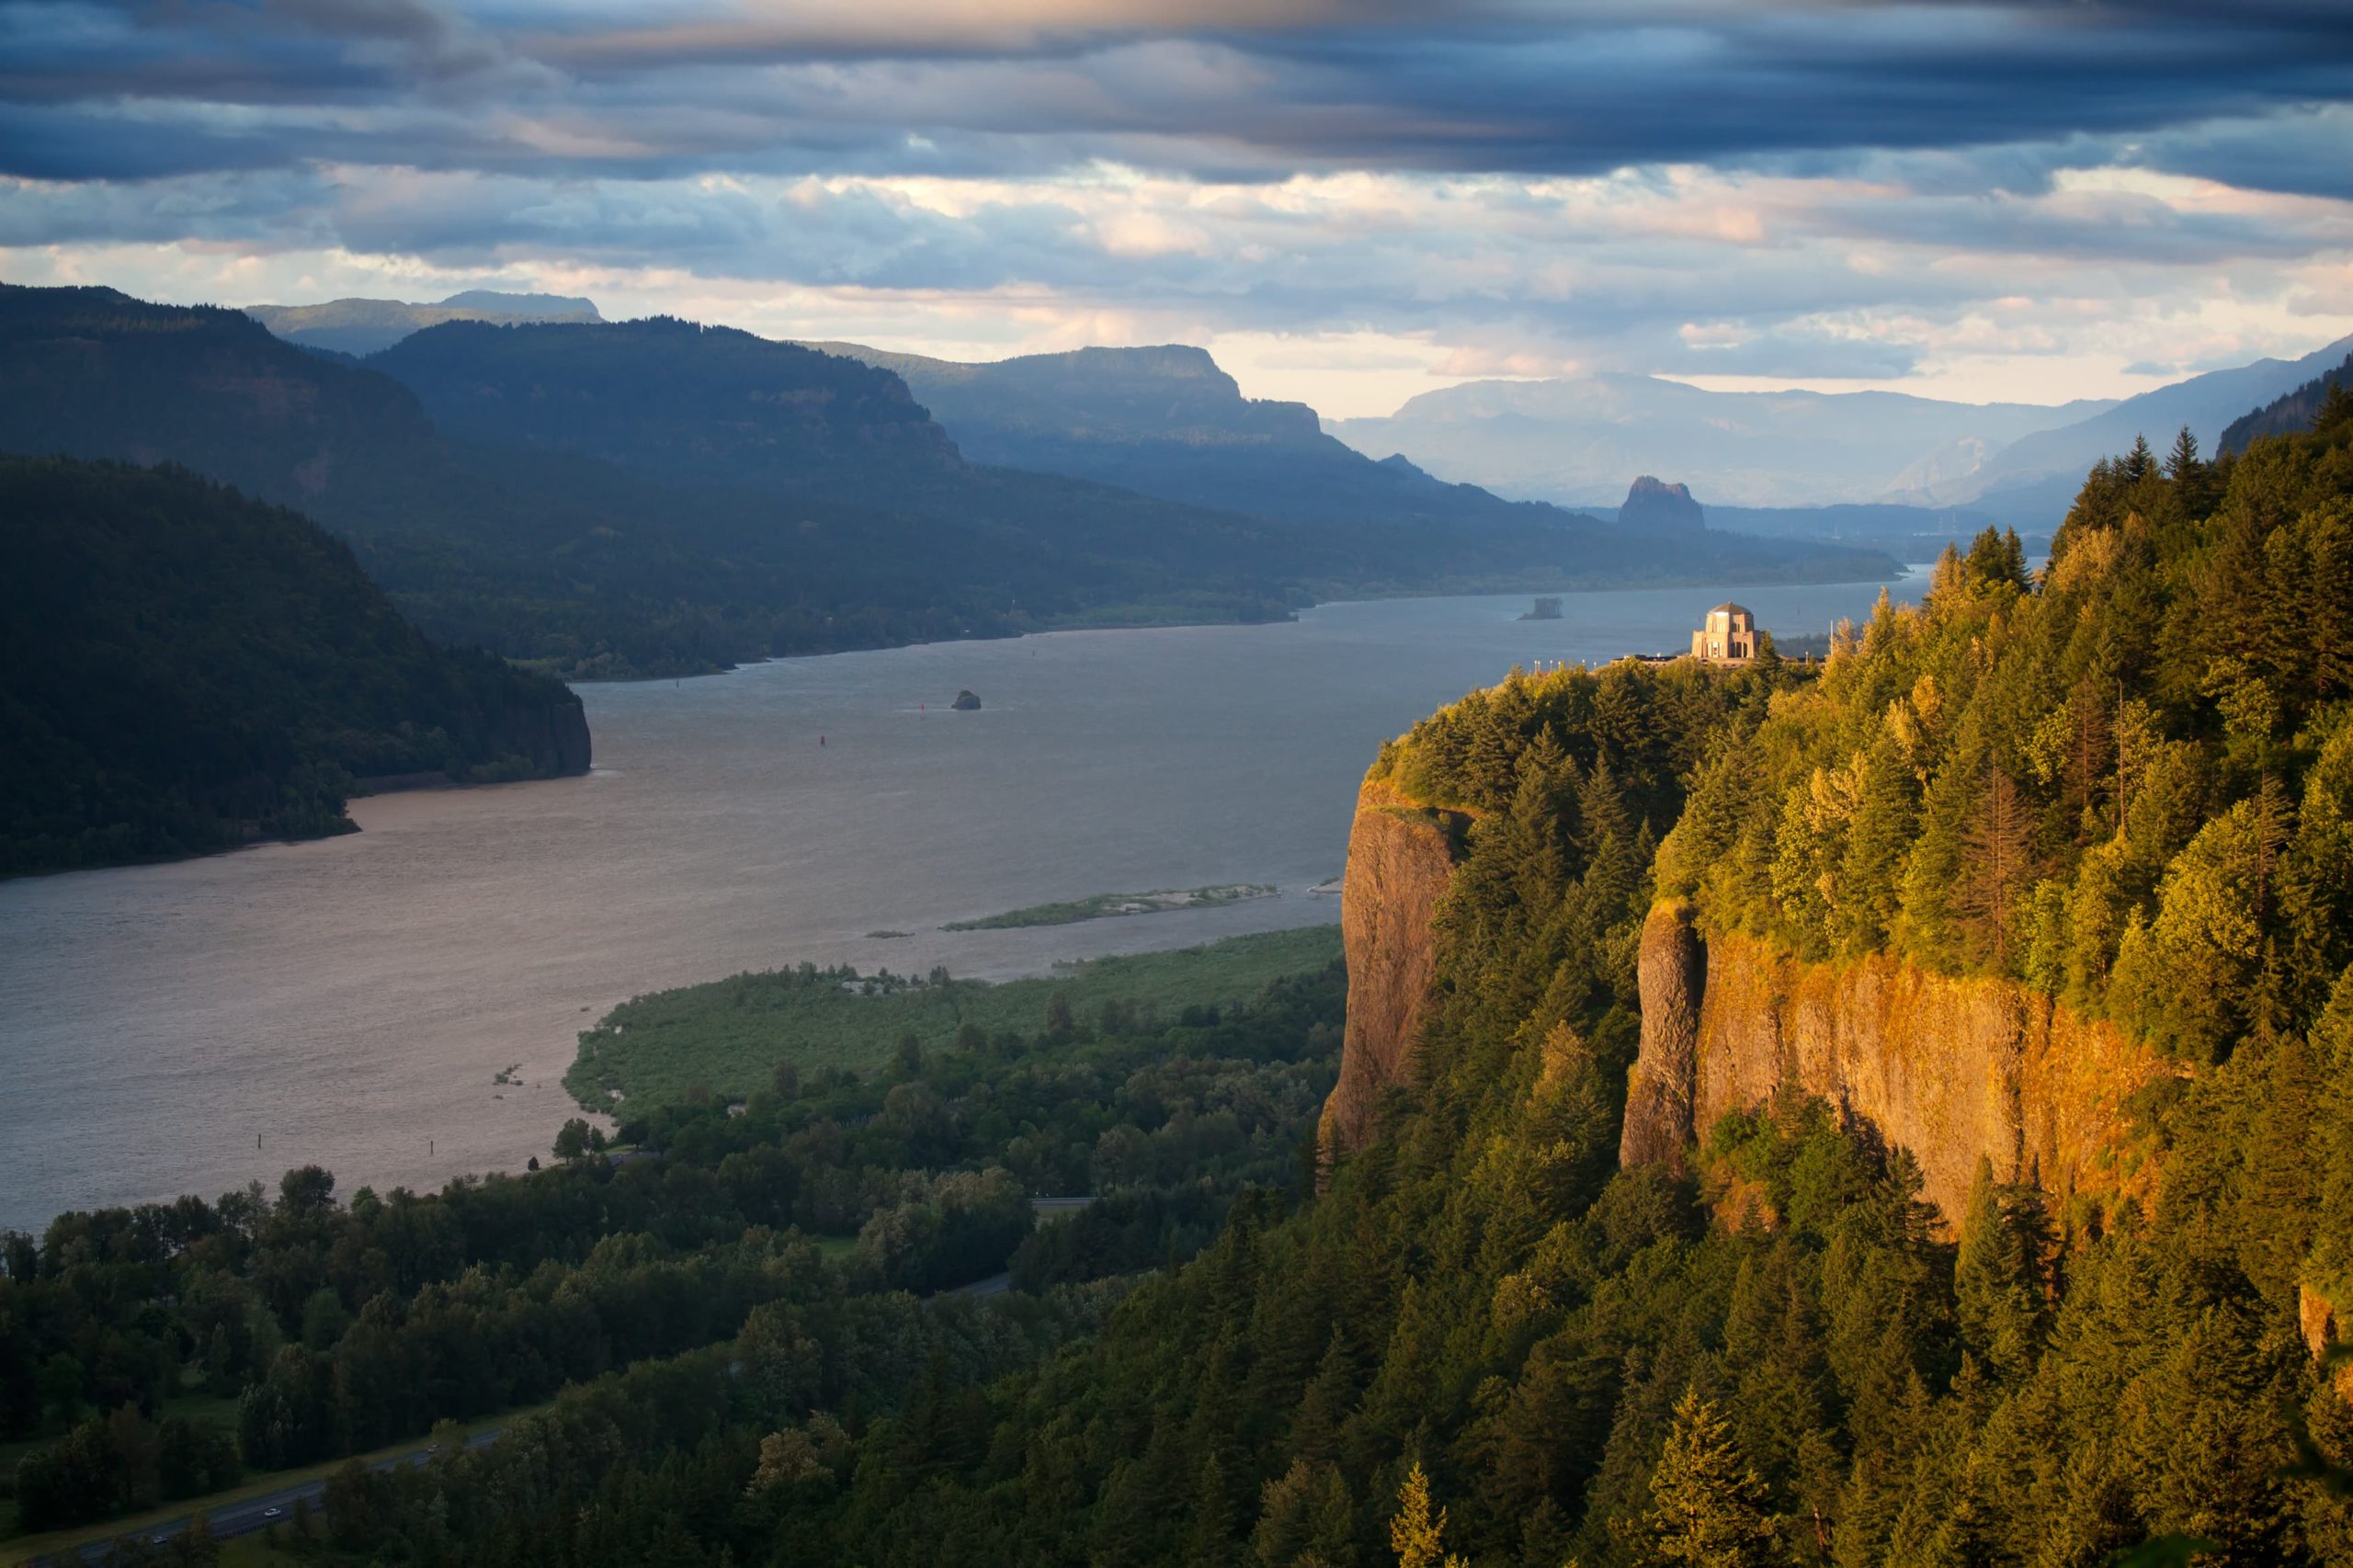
[(192, 1027)]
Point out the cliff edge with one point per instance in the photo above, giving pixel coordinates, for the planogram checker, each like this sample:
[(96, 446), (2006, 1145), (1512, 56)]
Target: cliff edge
[(1401, 859), (1947, 1068)]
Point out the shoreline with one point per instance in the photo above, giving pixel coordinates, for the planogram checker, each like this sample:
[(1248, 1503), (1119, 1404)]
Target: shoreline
[(1370, 594)]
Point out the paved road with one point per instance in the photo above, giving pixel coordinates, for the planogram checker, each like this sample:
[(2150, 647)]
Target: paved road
[(250, 1514), (998, 1284), (254, 1513)]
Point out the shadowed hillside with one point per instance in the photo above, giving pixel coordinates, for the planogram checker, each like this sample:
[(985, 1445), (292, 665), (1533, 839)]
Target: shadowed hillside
[(188, 669)]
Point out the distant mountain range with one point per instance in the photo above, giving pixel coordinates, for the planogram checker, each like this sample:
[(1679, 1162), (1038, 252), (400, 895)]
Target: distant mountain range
[(655, 496), (1579, 441), (360, 327), (2038, 473), (1167, 422), (2289, 413)]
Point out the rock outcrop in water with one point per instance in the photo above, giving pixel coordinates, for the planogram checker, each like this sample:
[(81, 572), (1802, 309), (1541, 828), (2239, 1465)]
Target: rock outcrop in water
[(1948, 1068), (1401, 857), (966, 703)]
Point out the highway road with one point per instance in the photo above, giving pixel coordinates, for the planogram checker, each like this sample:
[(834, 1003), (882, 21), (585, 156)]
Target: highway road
[(250, 1514)]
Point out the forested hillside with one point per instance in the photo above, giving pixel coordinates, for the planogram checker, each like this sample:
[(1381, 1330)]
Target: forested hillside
[(2287, 414), (185, 669), (2121, 787)]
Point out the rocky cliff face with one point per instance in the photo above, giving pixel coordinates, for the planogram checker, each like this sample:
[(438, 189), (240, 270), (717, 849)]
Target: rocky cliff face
[(1673, 973), (551, 735), (1400, 861), (1948, 1069)]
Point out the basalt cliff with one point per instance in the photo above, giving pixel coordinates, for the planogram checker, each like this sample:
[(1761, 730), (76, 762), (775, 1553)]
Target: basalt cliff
[(1401, 856), (1948, 1069)]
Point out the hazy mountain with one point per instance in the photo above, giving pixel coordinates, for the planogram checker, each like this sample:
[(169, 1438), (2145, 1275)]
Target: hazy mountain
[(2290, 414), (654, 496), (544, 553), (674, 402), (360, 327), (1168, 421), (182, 668), (2051, 462), (1579, 441)]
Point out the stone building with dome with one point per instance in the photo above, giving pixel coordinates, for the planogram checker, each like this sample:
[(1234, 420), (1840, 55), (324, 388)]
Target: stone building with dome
[(1727, 637)]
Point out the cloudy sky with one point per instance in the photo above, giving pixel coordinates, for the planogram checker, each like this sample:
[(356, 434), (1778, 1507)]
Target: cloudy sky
[(1349, 203)]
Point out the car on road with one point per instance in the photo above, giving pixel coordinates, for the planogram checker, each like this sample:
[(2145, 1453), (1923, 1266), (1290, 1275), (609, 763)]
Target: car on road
[(270, 1513)]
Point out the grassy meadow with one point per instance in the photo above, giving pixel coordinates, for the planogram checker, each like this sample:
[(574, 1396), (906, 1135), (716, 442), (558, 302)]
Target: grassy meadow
[(727, 1036)]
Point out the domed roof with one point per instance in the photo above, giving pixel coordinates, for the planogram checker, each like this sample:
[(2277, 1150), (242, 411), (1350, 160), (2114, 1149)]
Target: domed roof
[(1728, 607)]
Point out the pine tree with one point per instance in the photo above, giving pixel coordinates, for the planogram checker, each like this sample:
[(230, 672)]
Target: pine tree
[(2274, 819), (2182, 461), (1997, 1281), (1415, 1534), (1315, 1435), (1708, 1507), (1212, 1542), (1997, 862), (1332, 1524), (2335, 415)]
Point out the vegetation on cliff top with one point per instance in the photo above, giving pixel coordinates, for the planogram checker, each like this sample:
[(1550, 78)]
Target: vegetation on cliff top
[(2130, 785), (185, 669)]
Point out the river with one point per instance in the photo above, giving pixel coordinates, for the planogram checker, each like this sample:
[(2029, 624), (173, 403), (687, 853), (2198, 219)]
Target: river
[(350, 1001)]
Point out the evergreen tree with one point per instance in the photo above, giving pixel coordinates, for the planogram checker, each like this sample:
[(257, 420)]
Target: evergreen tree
[(1417, 1534), (1996, 864), (1997, 1291), (2182, 461), (1708, 1507)]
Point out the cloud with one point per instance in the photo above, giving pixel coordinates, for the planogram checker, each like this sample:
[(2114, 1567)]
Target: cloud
[(1217, 87), (1815, 191)]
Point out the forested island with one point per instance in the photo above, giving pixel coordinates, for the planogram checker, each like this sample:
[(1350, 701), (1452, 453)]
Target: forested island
[(2031, 1247), (188, 669)]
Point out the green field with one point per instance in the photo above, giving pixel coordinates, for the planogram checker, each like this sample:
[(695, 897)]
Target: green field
[(1112, 905), (727, 1036)]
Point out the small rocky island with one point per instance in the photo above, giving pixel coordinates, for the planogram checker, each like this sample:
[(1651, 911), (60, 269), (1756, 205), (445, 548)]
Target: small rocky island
[(1545, 608), (966, 703)]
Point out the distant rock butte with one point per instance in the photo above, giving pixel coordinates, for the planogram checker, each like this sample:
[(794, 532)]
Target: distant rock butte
[(1656, 506), (966, 703)]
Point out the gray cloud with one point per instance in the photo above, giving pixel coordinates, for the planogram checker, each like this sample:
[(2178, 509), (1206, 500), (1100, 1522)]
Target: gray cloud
[(1520, 90), (1881, 171)]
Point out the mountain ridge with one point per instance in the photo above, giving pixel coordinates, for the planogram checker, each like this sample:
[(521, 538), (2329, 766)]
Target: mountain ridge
[(1576, 440), (360, 326)]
